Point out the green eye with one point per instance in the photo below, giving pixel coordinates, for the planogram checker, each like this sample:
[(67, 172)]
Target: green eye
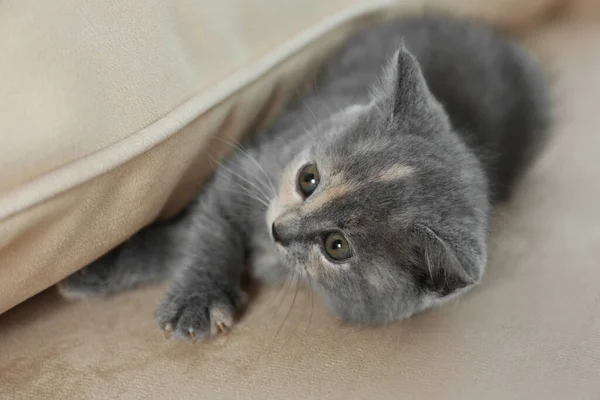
[(336, 246), (308, 179)]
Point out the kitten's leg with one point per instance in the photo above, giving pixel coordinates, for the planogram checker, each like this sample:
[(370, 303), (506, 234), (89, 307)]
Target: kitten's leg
[(138, 261), (205, 294)]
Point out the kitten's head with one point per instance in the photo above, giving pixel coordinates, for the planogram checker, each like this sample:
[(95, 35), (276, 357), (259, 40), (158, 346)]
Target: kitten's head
[(386, 213)]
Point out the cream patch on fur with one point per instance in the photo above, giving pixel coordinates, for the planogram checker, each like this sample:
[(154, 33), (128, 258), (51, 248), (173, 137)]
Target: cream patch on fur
[(333, 187), (395, 173), (288, 194), (327, 196)]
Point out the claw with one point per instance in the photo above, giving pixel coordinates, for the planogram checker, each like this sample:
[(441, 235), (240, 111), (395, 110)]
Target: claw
[(224, 330), (168, 331)]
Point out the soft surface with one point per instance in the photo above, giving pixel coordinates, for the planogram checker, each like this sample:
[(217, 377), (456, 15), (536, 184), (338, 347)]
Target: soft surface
[(530, 331)]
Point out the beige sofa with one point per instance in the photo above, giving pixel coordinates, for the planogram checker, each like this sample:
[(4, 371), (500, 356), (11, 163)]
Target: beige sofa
[(107, 110)]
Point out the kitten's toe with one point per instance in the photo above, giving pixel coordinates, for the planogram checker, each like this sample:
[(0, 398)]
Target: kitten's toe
[(197, 317), (221, 319), (193, 321), (168, 331)]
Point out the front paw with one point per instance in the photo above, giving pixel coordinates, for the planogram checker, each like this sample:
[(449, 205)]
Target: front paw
[(198, 314)]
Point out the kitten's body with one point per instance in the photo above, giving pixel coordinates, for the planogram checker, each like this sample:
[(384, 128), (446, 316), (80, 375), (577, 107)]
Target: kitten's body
[(410, 189)]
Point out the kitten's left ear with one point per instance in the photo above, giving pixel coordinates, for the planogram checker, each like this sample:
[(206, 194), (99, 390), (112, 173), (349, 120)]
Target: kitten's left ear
[(445, 269), (406, 85)]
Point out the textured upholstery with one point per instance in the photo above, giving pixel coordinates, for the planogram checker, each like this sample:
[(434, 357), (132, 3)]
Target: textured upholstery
[(530, 331)]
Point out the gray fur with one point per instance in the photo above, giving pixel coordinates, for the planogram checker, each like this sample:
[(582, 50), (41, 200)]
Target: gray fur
[(412, 156)]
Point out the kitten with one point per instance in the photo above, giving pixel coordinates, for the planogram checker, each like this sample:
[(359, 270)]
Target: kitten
[(382, 203)]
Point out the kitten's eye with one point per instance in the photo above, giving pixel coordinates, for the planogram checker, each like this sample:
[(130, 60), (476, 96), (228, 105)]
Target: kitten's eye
[(308, 179), (336, 246)]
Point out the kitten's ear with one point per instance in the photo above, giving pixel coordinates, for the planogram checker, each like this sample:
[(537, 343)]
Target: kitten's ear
[(406, 85), (443, 269), (411, 89)]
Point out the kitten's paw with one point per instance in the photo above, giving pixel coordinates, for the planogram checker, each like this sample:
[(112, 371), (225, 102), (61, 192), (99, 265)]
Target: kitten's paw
[(197, 315), (92, 281)]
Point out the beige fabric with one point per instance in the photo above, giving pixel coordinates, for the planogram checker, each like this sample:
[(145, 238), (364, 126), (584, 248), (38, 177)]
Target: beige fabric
[(107, 108), (530, 331)]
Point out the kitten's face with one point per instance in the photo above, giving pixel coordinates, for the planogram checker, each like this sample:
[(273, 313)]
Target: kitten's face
[(387, 215)]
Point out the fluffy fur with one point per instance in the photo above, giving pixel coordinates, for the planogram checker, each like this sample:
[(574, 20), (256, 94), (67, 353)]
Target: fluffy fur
[(417, 128)]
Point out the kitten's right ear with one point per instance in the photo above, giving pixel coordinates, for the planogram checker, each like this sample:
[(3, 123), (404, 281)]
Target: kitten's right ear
[(411, 91)]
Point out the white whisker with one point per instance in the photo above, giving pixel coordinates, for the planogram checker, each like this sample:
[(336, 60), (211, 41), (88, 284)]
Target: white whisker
[(244, 179), (312, 305), (246, 191), (287, 315), (239, 146)]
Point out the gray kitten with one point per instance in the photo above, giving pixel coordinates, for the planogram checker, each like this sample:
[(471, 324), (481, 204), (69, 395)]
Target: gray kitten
[(381, 202)]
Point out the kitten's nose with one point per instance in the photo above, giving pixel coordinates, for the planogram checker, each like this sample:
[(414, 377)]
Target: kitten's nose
[(276, 236), (285, 230)]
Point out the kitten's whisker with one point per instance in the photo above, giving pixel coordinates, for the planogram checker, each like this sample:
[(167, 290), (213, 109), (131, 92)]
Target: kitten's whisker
[(286, 288), (279, 291), (241, 177), (312, 305), (292, 276), (307, 107), (299, 319), (248, 192), (287, 315), (239, 146), (310, 135), (306, 128)]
